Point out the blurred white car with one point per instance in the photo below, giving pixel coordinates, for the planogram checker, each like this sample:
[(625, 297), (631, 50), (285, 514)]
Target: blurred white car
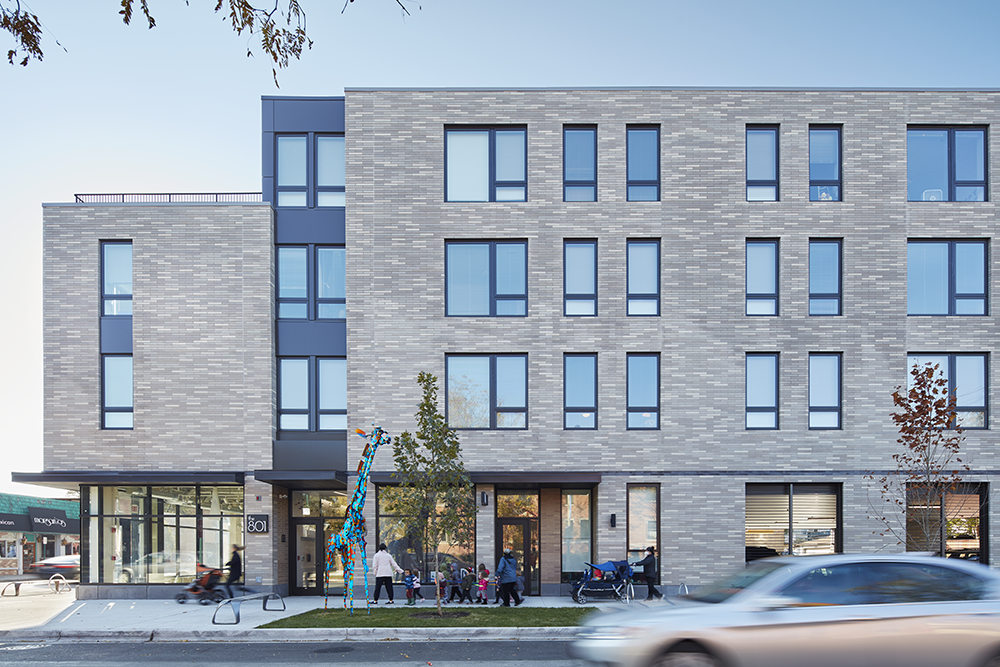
[(900, 610)]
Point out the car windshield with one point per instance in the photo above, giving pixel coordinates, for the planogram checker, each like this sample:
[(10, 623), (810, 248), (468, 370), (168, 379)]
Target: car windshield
[(734, 583)]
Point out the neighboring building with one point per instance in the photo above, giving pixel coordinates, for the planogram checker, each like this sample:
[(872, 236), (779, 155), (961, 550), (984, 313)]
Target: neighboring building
[(668, 317), (35, 528)]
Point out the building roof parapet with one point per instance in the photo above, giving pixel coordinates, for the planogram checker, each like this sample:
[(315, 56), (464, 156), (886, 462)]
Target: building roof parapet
[(171, 198)]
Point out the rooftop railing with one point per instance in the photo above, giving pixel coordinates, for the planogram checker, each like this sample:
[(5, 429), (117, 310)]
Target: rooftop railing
[(171, 198)]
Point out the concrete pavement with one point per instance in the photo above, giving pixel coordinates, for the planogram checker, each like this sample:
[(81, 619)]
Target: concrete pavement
[(38, 614)]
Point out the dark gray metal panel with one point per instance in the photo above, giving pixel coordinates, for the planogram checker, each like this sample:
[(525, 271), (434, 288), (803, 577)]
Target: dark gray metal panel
[(311, 455), (317, 114), (267, 159), (116, 335), (312, 225), (135, 477), (301, 338), (267, 114)]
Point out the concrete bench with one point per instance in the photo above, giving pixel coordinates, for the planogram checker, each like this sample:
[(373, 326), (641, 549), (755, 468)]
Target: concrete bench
[(235, 603)]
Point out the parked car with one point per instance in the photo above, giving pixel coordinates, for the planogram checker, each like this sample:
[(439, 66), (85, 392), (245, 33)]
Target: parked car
[(823, 611), (67, 566), (160, 567)]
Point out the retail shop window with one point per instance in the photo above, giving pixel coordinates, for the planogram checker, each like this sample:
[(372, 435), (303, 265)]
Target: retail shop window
[(579, 164), (946, 277), (959, 512), (793, 519), (762, 163), (486, 164), (312, 393), (487, 391), (488, 278), (946, 164), (577, 534), (643, 522), (310, 171), (312, 282), (965, 375)]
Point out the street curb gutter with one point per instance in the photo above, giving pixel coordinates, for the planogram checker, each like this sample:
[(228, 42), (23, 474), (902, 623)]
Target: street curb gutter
[(294, 635)]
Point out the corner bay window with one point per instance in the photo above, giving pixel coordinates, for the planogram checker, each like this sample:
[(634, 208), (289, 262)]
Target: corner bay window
[(312, 282), (486, 164), (312, 394), (487, 391), (300, 176)]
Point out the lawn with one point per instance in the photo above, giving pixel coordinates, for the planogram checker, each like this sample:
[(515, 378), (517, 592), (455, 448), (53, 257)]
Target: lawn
[(401, 616)]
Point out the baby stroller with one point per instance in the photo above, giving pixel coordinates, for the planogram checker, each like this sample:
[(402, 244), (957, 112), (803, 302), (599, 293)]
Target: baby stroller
[(612, 579), (204, 588)]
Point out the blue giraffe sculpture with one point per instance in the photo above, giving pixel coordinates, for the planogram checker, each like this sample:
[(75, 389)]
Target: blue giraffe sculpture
[(350, 541)]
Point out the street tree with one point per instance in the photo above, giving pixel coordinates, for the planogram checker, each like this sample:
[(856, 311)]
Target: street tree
[(913, 501), (434, 499)]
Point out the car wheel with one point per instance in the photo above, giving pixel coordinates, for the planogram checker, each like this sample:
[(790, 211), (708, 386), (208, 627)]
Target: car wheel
[(687, 656), (125, 577), (181, 598)]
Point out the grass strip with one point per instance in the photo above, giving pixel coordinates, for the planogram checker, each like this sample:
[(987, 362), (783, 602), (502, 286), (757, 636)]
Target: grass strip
[(401, 616)]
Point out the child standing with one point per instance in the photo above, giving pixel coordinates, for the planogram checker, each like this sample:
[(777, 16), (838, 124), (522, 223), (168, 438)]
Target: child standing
[(484, 581), (408, 582), (468, 583), (416, 585)]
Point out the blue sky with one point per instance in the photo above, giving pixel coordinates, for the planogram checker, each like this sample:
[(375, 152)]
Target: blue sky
[(177, 108)]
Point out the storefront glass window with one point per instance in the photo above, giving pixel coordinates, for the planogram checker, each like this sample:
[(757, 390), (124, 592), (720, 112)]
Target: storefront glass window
[(576, 536), (643, 519)]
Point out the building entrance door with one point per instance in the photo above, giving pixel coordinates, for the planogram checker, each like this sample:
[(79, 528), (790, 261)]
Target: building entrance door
[(307, 557), (521, 536)]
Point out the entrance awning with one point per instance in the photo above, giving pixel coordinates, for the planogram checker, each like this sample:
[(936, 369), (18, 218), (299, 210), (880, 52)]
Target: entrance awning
[(304, 480)]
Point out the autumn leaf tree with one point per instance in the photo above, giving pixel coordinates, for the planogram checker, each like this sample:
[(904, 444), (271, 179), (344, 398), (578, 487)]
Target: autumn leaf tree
[(434, 499), (912, 503)]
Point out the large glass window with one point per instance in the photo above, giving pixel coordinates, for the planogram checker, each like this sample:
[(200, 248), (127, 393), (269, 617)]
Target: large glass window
[(292, 169), (486, 279), (486, 164), (330, 171), (792, 519), (824, 164), (580, 278), (117, 408), (966, 376), (946, 164), (762, 391), (643, 520), (158, 534), (762, 163), (297, 168), (312, 394), (643, 277), (311, 282), (946, 277), (576, 534), (643, 149), (824, 391), (762, 277), (580, 164), (643, 388), (959, 512), (116, 281), (824, 277), (580, 391), (487, 391)]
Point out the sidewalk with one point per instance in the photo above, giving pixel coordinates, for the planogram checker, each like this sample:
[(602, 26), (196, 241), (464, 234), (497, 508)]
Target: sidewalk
[(40, 615)]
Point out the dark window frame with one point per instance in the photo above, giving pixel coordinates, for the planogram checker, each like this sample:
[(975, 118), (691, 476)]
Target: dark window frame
[(494, 409), (571, 183), (775, 409), (492, 162), (629, 407), (953, 295), (839, 408), (311, 189), (567, 409), (312, 300), (788, 489), (952, 373), (493, 297), (567, 295), (775, 182), (828, 296), (105, 408), (312, 410), (110, 297), (761, 297), (638, 554), (826, 183), (643, 297), (953, 182), (629, 181)]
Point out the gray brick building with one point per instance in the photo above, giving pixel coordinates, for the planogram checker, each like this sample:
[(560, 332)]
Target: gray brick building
[(660, 317)]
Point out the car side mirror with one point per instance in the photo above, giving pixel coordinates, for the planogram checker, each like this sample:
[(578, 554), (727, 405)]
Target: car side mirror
[(772, 602)]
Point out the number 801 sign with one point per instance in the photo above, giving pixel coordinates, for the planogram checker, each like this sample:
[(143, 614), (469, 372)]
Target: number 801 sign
[(257, 523)]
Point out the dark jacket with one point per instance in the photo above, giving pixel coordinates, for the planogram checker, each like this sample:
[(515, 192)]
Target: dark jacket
[(235, 566), (507, 570), (648, 566)]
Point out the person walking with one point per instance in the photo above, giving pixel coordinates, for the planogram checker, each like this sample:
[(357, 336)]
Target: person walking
[(384, 565), (649, 573), (416, 585), (454, 583), (408, 580), (507, 576), (235, 566)]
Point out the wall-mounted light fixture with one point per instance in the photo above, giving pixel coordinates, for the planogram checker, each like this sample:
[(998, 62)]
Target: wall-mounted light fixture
[(614, 520), (484, 499)]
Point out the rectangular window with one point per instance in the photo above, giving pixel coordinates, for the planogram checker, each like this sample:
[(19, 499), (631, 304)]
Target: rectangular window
[(487, 391), (116, 395), (762, 163), (312, 394), (487, 278), (824, 391), (825, 286), (486, 164), (793, 519), (946, 277), (966, 376), (576, 534), (762, 277), (642, 520), (762, 390), (643, 388), (580, 391), (580, 278), (946, 164), (643, 163), (824, 164), (311, 282), (300, 171), (580, 164), (116, 278), (643, 277), (962, 517)]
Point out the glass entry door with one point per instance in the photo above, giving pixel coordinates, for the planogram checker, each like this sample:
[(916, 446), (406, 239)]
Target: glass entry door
[(521, 536), (307, 558)]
